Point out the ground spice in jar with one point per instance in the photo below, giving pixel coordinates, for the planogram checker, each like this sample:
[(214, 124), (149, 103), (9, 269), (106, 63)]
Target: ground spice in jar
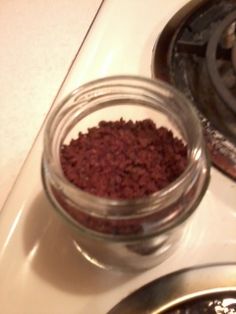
[(124, 160)]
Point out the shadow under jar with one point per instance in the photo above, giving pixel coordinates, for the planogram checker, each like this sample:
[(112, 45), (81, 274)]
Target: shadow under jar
[(136, 234)]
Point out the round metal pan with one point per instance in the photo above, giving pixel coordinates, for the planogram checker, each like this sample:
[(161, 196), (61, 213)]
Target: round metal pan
[(177, 288)]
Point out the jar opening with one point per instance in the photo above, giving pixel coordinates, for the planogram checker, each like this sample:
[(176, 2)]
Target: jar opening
[(129, 98)]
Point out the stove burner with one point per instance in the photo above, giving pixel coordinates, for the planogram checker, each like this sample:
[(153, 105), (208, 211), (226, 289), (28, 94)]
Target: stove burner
[(219, 85), (196, 52)]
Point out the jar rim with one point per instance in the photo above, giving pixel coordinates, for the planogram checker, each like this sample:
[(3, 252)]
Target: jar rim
[(144, 204)]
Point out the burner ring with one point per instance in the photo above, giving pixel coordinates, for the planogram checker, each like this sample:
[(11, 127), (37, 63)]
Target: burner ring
[(211, 55)]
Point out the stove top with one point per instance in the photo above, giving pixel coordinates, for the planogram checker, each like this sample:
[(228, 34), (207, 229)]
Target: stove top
[(39, 264), (198, 56)]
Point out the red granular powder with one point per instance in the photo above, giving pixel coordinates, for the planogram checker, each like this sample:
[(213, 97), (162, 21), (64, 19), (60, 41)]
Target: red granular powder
[(124, 160)]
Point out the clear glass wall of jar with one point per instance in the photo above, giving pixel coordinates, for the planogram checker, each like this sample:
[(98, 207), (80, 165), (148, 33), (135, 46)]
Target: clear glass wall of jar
[(125, 234)]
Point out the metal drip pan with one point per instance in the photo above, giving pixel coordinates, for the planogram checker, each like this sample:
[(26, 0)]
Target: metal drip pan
[(206, 289)]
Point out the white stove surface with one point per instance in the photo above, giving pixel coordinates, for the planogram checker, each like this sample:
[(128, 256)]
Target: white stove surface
[(40, 270), (38, 41)]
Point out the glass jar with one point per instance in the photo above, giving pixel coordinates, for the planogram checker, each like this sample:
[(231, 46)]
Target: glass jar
[(125, 234)]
